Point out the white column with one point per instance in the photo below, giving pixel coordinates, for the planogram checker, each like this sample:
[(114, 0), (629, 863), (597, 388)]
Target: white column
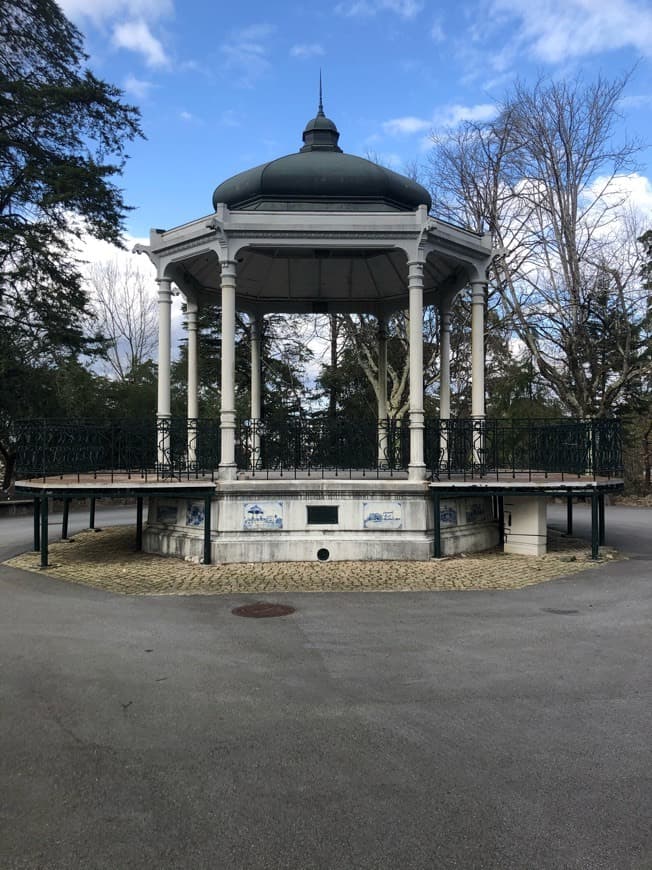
[(382, 390), (478, 296), (193, 379), (164, 354), (445, 361), (444, 379), (479, 293), (256, 394), (417, 467), (227, 411)]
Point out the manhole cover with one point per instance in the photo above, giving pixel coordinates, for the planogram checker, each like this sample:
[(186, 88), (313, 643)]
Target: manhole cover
[(558, 612), (262, 609)]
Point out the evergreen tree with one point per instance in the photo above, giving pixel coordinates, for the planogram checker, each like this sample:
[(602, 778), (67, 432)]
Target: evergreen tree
[(62, 146)]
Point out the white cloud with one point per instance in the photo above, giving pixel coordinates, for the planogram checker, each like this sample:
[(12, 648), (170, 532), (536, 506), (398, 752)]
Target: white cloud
[(636, 101), (92, 250), (557, 30), (367, 8), (449, 116), (633, 188), (130, 22), (136, 36), (190, 118), (437, 31), (306, 50), (137, 87), (406, 126), (246, 53), (96, 252)]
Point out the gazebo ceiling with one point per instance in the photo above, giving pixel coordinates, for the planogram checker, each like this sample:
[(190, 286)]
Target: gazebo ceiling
[(320, 279)]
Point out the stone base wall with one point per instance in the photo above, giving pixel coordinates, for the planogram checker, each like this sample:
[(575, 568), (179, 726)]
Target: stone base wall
[(279, 521), (525, 525)]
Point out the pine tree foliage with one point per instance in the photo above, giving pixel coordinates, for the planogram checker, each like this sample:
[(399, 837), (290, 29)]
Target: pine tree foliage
[(63, 134)]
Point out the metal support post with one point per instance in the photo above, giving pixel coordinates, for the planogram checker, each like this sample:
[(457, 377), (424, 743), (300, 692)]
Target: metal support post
[(601, 519), (139, 523), (64, 522), (44, 531), (91, 521), (501, 518), (207, 530), (436, 498), (569, 514), (37, 524), (595, 530)]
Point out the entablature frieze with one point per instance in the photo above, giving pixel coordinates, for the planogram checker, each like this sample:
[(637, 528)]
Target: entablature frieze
[(224, 240)]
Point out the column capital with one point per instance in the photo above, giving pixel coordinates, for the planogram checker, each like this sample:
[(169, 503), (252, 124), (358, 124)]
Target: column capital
[(478, 291), (164, 290), (415, 266), (228, 268)]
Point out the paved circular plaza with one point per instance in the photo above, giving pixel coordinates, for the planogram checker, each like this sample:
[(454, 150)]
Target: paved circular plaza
[(107, 560)]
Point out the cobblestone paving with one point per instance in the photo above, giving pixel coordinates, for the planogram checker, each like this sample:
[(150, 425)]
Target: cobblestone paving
[(107, 560)]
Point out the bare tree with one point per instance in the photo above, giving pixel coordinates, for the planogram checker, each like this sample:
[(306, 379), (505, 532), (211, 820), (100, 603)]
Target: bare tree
[(360, 331), (549, 181), (126, 314)]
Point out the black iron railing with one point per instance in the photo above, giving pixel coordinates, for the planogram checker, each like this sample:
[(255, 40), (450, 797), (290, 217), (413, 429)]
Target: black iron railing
[(145, 449), (518, 448), (322, 445), (182, 449)]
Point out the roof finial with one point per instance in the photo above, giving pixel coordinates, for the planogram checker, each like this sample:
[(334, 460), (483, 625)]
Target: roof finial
[(320, 111)]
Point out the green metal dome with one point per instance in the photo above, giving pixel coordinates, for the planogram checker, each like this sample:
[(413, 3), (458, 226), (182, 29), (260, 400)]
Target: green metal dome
[(320, 177)]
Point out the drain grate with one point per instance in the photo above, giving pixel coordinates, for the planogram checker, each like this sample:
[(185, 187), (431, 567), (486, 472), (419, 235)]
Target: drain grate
[(263, 609), (557, 611)]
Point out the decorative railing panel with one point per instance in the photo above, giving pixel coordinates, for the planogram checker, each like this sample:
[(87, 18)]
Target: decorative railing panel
[(317, 446), (562, 447), (187, 449), (137, 448)]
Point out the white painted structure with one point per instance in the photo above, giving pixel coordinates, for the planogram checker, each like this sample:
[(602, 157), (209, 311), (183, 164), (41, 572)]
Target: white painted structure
[(323, 232), (525, 525)]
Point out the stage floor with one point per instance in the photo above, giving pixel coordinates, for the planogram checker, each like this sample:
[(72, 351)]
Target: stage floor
[(81, 484)]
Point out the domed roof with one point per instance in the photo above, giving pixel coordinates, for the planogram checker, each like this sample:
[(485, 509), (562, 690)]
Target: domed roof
[(320, 177)]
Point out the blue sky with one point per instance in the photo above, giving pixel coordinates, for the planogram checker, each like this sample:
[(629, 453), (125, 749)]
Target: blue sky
[(226, 86)]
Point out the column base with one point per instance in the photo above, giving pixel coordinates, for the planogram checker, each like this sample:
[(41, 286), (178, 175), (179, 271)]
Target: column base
[(227, 472), (417, 472)]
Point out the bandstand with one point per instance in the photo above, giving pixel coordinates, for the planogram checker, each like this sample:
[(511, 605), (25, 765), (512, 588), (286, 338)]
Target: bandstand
[(324, 232), (318, 232)]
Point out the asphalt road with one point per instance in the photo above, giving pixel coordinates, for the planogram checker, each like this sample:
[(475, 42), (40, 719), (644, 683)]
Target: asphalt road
[(16, 533), (412, 730)]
